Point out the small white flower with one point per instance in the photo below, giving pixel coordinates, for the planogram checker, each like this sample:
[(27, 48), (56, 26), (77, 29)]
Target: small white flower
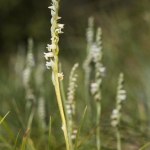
[(73, 136), (94, 87), (115, 111), (75, 131), (60, 25), (68, 106), (97, 96), (63, 127), (74, 79), (94, 48), (48, 64), (58, 30), (122, 97), (51, 7), (69, 111), (47, 55), (102, 69), (70, 97), (122, 91), (58, 18), (114, 123), (26, 74), (51, 47), (60, 75)]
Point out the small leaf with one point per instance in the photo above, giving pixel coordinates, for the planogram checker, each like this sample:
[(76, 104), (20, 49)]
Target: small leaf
[(79, 128)]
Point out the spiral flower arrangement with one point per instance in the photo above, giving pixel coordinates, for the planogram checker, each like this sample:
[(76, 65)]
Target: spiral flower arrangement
[(52, 61), (116, 113)]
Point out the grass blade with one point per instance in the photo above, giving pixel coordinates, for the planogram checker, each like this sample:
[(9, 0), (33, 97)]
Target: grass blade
[(24, 140), (8, 130), (50, 133), (79, 128), (16, 140), (143, 147), (87, 136), (4, 118)]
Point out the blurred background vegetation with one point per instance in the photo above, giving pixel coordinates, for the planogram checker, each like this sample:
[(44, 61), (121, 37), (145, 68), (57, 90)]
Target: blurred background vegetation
[(126, 33)]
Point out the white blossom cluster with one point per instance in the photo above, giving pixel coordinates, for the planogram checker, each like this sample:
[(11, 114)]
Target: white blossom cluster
[(89, 38), (121, 96), (53, 48), (97, 54), (28, 69), (70, 102)]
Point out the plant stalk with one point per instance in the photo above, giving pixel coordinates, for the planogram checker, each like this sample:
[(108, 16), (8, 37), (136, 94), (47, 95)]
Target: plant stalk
[(57, 90), (118, 139), (98, 141)]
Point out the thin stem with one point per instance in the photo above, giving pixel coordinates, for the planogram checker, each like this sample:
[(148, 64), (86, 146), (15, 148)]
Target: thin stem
[(64, 104), (57, 90), (98, 141), (118, 139)]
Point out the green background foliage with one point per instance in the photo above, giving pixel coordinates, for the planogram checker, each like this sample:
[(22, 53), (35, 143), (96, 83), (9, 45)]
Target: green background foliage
[(126, 33)]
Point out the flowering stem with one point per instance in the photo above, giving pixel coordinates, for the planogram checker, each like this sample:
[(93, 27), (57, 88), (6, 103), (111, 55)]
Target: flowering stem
[(59, 100), (118, 139), (98, 141)]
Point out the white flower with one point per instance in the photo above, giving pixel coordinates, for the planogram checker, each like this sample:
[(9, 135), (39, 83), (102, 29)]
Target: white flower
[(68, 106), (63, 127), (122, 91), (74, 79), (114, 114), (102, 69), (51, 47), (75, 131), (58, 30), (60, 75), (60, 25), (58, 18), (94, 48), (51, 7), (69, 111), (70, 97), (97, 96), (48, 64), (115, 111), (47, 55), (73, 136), (122, 97), (114, 123), (94, 87)]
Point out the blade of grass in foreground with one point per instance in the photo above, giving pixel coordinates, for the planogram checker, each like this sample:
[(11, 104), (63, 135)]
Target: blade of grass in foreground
[(4, 118), (9, 131), (24, 140), (143, 147), (15, 147), (50, 133), (79, 128)]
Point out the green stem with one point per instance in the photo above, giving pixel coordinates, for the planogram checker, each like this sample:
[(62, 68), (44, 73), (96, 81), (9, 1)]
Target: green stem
[(64, 104), (118, 139), (57, 90), (98, 141)]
